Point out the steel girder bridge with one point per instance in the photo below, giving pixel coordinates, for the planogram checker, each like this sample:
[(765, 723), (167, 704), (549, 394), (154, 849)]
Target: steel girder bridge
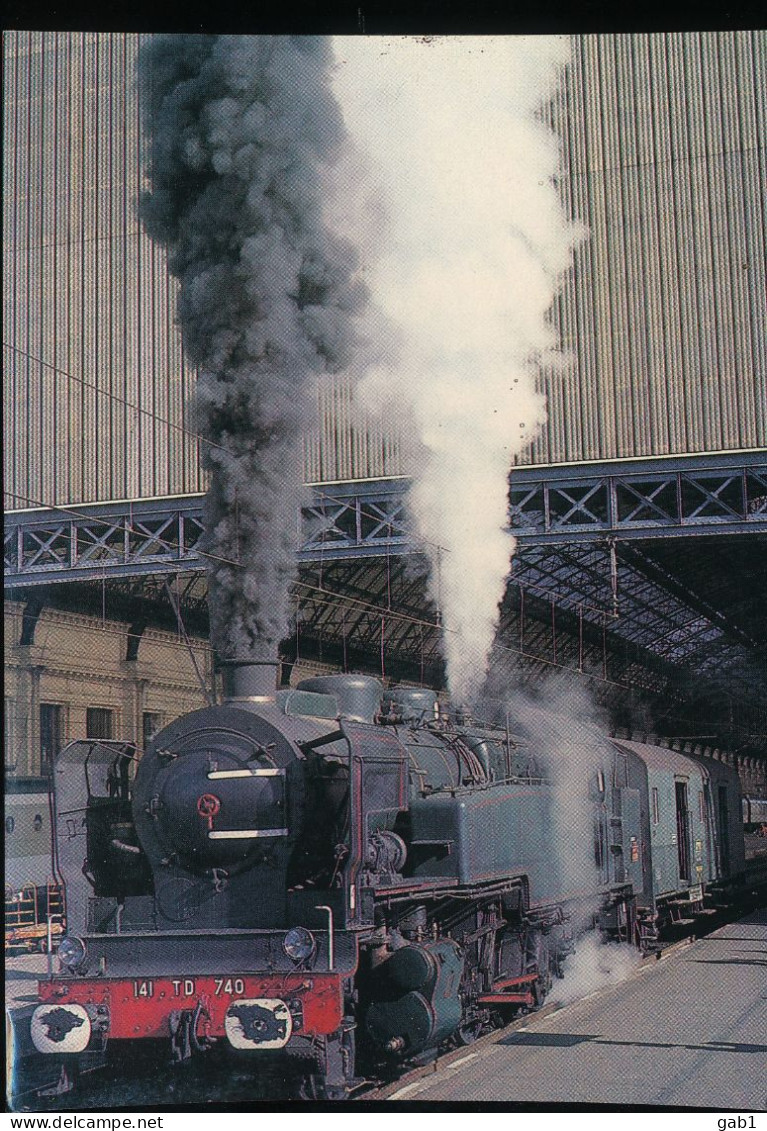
[(621, 572), (565, 504)]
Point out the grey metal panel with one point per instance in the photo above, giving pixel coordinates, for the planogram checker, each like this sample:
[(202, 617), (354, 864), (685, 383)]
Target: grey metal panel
[(349, 443), (664, 160), (95, 379)]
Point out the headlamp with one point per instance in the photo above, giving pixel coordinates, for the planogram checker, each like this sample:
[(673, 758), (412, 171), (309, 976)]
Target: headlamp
[(299, 944), (71, 953)]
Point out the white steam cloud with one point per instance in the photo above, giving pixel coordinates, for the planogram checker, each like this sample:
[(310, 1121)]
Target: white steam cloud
[(271, 226), (475, 249), (595, 965), (565, 733)]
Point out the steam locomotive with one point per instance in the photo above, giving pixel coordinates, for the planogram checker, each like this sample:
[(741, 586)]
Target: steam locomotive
[(334, 880)]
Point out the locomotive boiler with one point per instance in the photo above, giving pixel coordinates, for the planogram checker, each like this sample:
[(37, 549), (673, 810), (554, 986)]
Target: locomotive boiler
[(334, 879)]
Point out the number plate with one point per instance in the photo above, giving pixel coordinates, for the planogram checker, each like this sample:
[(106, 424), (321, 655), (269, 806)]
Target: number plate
[(187, 987), (226, 987)]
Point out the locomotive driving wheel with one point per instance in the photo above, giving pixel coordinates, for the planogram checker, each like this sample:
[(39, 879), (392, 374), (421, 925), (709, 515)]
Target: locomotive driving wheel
[(470, 1030), (314, 1086), (329, 1073)]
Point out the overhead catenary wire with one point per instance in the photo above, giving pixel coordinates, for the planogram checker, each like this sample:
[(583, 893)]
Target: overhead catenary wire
[(187, 643), (535, 659), (239, 565), (81, 514), (47, 365), (371, 606)]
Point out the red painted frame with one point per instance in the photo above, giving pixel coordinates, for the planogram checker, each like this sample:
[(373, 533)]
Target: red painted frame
[(134, 1017)]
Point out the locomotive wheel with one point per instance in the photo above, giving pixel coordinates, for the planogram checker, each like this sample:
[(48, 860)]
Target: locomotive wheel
[(314, 1087), (469, 1031), (541, 987), (310, 1088)]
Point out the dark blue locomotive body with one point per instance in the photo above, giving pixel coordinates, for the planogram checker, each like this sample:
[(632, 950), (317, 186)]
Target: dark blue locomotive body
[(348, 880)]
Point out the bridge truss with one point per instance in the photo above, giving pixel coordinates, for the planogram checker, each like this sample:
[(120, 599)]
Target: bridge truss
[(646, 577)]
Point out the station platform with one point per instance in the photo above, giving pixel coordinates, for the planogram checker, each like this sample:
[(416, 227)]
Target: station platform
[(688, 1031), (685, 1031), (21, 975)]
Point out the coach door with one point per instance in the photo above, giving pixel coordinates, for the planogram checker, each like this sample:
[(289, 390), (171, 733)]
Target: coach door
[(723, 824), (632, 838), (683, 830)]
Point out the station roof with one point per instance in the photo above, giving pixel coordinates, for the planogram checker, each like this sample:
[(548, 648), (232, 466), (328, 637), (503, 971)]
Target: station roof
[(671, 633)]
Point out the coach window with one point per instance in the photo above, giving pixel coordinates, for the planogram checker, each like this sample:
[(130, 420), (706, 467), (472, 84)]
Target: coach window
[(620, 771), (655, 806), (51, 734), (98, 722)]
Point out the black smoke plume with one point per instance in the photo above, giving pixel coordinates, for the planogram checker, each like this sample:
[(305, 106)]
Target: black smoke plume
[(243, 134)]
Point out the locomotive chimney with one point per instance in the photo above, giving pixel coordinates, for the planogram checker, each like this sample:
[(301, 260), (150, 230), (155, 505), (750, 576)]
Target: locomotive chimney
[(251, 680)]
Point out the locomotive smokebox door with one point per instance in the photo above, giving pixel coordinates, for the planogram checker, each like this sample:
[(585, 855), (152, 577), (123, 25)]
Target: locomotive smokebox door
[(213, 815)]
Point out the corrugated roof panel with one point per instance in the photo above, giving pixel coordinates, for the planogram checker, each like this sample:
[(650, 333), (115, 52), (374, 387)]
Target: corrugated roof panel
[(663, 158)]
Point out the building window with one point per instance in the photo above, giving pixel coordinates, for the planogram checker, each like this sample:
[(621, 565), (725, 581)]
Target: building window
[(655, 806), (51, 734), (98, 722), (151, 722), (9, 737)]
